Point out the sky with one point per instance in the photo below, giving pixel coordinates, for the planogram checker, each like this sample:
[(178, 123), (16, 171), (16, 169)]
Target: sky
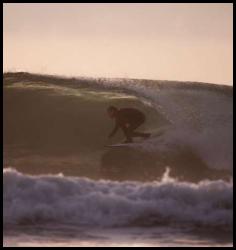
[(162, 41)]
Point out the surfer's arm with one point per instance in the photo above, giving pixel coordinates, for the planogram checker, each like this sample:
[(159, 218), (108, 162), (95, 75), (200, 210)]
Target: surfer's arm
[(114, 130)]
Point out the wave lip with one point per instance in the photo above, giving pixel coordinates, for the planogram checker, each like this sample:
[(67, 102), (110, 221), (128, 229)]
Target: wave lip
[(81, 201)]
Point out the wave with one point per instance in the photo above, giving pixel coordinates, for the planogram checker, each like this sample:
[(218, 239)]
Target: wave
[(48, 117), (81, 201)]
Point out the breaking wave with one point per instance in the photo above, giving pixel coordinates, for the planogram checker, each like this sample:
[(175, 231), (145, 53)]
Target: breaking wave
[(82, 201), (54, 124)]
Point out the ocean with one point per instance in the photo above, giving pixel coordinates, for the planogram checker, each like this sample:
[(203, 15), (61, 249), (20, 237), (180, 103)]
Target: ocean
[(63, 187)]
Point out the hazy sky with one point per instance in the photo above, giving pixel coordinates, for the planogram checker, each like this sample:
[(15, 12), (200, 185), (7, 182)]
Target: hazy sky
[(185, 42)]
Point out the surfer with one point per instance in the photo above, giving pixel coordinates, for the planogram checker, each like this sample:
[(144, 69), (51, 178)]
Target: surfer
[(128, 119)]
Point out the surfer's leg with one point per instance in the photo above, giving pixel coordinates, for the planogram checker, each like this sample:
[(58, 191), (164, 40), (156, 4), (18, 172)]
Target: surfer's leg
[(128, 134)]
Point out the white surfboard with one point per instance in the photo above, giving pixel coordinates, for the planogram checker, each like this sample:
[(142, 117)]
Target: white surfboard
[(119, 145), (138, 141), (129, 144)]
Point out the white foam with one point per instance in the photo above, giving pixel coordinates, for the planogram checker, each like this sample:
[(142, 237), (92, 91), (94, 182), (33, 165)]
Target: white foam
[(81, 201)]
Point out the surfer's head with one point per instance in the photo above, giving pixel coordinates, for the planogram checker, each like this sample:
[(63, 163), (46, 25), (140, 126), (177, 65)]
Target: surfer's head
[(112, 111)]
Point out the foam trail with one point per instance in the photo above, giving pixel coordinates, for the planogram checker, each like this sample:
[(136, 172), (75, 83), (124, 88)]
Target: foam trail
[(81, 201)]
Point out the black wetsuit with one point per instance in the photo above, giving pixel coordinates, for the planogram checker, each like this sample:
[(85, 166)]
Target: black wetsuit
[(128, 119)]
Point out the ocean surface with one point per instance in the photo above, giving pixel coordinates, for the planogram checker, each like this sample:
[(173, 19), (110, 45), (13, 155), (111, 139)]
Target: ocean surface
[(63, 187)]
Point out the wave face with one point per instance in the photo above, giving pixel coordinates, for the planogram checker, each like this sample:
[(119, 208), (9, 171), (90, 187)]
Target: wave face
[(84, 202), (54, 124)]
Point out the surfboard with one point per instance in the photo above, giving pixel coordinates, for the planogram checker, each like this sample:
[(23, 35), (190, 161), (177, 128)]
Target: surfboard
[(119, 145), (129, 144), (137, 141)]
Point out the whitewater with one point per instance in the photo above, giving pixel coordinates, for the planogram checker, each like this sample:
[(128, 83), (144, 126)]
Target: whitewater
[(105, 203), (62, 186)]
